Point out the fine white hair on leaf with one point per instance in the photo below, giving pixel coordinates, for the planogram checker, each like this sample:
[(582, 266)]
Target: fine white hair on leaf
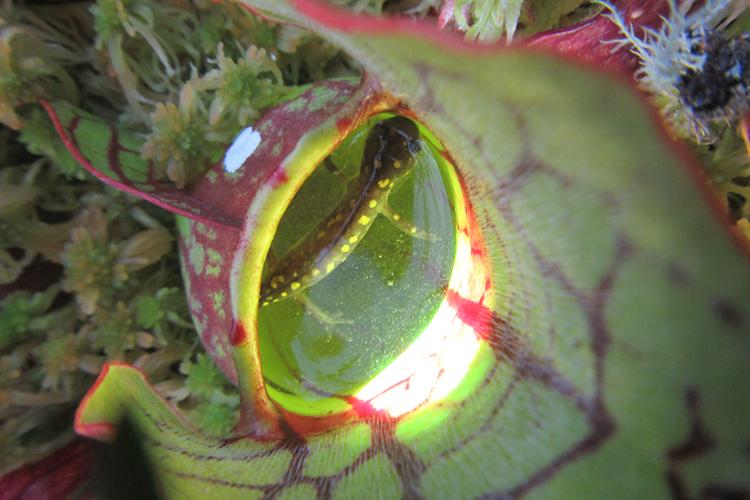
[(667, 53)]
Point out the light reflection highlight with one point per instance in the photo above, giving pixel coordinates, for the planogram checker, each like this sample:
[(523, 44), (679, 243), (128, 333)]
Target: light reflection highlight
[(434, 365)]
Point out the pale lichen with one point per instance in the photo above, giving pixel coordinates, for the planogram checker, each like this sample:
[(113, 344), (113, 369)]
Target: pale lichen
[(488, 21), (681, 47)]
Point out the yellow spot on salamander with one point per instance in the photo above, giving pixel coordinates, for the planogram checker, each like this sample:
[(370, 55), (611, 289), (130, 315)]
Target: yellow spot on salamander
[(364, 220), (396, 217), (345, 248), (284, 294), (383, 183), (397, 164), (413, 230), (295, 285), (353, 239), (330, 267), (276, 281), (315, 271), (373, 203)]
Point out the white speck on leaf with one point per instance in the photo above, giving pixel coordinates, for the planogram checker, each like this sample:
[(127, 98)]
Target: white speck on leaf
[(243, 146)]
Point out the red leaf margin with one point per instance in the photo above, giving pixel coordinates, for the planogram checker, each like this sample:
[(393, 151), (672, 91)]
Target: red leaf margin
[(54, 477), (581, 41), (166, 195)]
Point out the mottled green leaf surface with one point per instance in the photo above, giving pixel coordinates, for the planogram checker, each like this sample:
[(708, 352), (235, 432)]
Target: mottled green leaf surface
[(112, 155), (212, 220), (616, 362)]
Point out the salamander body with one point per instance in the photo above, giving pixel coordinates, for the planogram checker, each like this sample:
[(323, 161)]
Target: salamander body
[(389, 153)]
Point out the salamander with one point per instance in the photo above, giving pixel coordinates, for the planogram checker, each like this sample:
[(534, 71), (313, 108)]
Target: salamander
[(389, 153)]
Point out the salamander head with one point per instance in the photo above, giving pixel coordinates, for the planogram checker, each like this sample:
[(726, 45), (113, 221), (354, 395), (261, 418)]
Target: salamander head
[(392, 145)]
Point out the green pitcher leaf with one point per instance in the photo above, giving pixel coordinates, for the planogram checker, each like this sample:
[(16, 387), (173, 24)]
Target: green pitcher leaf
[(190, 465), (325, 110), (113, 156), (211, 220), (615, 344)]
